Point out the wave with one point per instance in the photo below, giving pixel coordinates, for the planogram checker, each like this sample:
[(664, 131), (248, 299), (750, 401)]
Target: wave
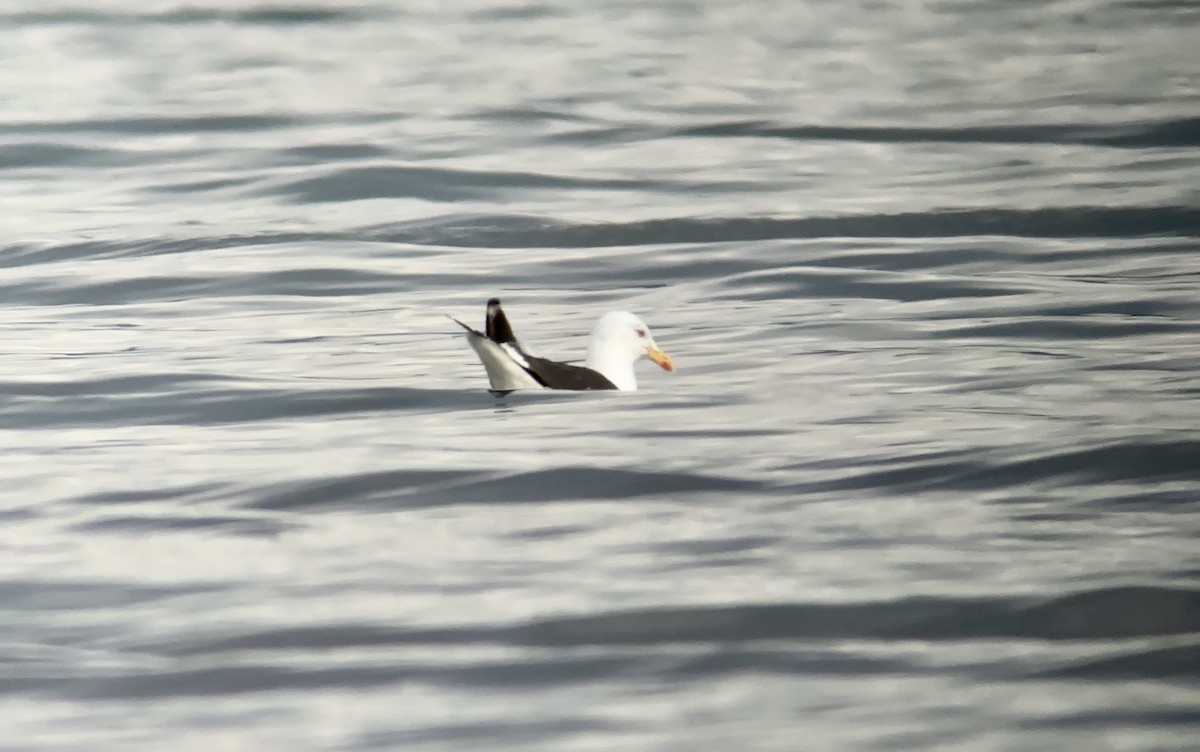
[(1168, 133), (152, 401), (423, 489), (1102, 614), (1141, 461), (508, 231)]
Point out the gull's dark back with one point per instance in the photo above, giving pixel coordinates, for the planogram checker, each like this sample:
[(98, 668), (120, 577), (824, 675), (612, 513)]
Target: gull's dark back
[(549, 373)]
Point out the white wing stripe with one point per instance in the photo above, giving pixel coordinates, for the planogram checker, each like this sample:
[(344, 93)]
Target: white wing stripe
[(515, 354)]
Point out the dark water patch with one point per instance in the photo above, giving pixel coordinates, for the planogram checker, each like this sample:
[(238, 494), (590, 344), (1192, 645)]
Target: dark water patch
[(1073, 328), (717, 547), (605, 135), (23, 595), (490, 735), (186, 15), (915, 259), (364, 490), (535, 672), (200, 186), (787, 661), (42, 155), (220, 681), (311, 282), (110, 386), (227, 406), (225, 524), (1172, 133), (616, 270), (1040, 533), (123, 291), (1148, 462), (13, 515), (716, 433), (322, 638), (811, 284), (1178, 662), (1093, 260), (332, 152), (732, 657), (295, 14), (155, 125), (432, 184), (410, 489), (517, 114), (901, 477), (1101, 614), (1187, 9), (474, 231), (192, 493), (86, 250), (546, 532), (1136, 461), (252, 677), (565, 668), (322, 282), (1159, 500), (516, 12), (1118, 612), (760, 639), (584, 483), (1129, 309), (297, 340)]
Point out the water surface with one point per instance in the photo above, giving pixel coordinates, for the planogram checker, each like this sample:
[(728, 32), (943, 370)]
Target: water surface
[(927, 477)]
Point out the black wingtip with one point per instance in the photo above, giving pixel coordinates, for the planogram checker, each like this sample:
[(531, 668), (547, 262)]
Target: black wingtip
[(464, 326), (496, 324)]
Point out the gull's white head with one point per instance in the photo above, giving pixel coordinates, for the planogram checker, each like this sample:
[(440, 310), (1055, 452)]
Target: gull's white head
[(618, 340)]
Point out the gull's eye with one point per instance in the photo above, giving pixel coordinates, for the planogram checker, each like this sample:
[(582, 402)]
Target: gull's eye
[(641, 332)]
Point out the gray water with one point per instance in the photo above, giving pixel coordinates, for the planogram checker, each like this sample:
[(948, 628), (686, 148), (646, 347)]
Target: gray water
[(928, 476)]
